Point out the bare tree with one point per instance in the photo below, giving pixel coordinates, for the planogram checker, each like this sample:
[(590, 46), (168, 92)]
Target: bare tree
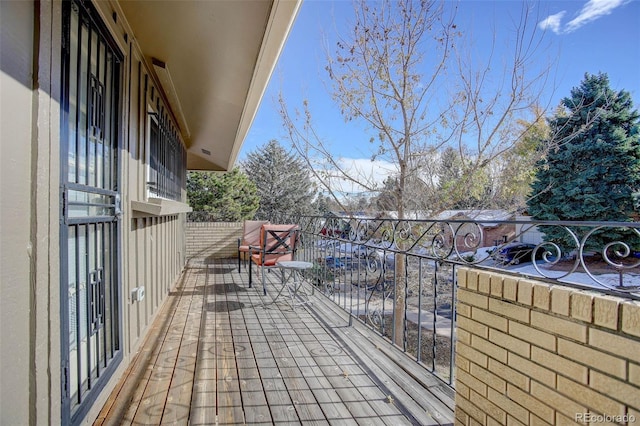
[(513, 173), (414, 78), (381, 74)]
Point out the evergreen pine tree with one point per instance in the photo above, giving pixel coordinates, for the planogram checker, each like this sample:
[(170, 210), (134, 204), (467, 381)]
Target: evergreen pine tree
[(284, 184), (228, 197), (593, 171)]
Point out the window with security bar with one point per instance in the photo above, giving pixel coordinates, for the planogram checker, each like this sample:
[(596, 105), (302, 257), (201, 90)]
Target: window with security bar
[(167, 159)]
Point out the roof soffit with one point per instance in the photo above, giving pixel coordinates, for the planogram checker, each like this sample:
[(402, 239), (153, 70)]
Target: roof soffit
[(220, 55)]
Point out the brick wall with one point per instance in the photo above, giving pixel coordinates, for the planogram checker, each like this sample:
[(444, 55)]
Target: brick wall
[(528, 352), (217, 240)]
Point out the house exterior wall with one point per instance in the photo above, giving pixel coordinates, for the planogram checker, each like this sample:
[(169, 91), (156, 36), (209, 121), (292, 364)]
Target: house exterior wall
[(152, 252), (533, 353), (17, 103), (498, 233)]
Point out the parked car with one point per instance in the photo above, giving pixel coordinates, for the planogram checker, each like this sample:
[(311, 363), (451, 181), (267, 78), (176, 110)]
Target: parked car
[(515, 253), (340, 229)]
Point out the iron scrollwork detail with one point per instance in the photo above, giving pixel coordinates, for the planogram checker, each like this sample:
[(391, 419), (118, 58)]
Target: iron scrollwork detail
[(465, 242)]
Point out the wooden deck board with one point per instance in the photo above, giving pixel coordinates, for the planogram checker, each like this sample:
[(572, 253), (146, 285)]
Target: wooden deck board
[(222, 353)]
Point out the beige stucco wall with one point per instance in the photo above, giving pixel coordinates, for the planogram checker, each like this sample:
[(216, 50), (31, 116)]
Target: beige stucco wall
[(533, 353), (16, 103), (29, 176)]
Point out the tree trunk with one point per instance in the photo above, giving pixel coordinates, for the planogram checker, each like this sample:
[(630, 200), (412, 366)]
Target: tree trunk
[(400, 267)]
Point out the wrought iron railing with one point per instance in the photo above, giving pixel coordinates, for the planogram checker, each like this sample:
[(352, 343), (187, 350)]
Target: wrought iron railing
[(399, 276)]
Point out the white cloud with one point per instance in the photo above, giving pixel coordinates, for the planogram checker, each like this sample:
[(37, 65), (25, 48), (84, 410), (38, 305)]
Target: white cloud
[(592, 10), (370, 173), (373, 171), (552, 22)]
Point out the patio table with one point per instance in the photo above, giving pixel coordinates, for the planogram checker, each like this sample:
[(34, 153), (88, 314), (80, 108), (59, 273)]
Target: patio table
[(293, 281)]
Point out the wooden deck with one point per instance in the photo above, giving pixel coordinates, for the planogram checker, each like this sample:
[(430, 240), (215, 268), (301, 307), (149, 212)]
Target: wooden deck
[(218, 353)]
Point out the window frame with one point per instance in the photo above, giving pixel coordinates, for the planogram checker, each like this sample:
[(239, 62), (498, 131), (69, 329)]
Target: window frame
[(165, 162)]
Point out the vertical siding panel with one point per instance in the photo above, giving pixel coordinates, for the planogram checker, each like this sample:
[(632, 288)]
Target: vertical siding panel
[(152, 265), (170, 253), (128, 224), (150, 281), (124, 177), (157, 262), (181, 240), (173, 249), (160, 247), (161, 258), (134, 314), (135, 131), (179, 246), (176, 264), (163, 255), (148, 278), (142, 131), (139, 271), (176, 248), (141, 267)]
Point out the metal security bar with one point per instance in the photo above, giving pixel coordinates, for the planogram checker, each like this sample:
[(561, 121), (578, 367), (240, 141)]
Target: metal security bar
[(90, 208), (167, 162)]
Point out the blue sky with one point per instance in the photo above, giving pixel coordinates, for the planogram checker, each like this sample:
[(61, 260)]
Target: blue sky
[(584, 35)]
